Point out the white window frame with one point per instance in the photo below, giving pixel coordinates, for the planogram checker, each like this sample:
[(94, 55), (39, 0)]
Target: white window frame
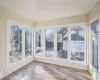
[(85, 52), (54, 49), (23, 27), (43, 45), (62, 26), (69, 38), (24, 41), (92, 70)]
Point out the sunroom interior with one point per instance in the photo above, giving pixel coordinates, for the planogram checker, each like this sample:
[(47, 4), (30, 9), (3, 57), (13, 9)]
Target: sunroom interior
[(49, 40)]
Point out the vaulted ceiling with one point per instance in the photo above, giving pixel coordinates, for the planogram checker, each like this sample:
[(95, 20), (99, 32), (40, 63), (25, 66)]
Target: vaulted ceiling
[(40, 10)]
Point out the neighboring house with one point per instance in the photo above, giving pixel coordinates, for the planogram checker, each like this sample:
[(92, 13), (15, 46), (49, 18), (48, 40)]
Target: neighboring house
[(77, 43)]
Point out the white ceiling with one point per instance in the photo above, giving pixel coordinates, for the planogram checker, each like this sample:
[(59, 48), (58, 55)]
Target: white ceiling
[(40, 10)]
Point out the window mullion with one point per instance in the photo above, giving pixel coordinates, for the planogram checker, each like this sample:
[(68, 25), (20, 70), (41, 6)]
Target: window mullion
[(69, 43), (55, 42), (86, 38), (23, 44), (43, 41)]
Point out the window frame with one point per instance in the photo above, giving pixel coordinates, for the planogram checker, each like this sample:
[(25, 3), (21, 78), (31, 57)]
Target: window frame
[(35, 54), (92, 69), (23, 27), (67, 43), (55, 42), (32, 40), (85, 52)]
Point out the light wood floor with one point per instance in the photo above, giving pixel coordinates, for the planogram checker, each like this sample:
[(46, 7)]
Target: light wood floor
[(43, 71)]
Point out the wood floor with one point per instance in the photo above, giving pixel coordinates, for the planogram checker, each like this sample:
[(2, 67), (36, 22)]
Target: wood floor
[(43, 71)]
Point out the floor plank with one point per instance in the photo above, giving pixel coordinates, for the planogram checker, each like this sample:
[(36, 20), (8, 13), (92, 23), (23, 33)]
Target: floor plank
[(44, 71)]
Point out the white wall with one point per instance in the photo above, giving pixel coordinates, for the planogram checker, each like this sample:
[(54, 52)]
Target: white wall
[(63, 21), (4, 16)]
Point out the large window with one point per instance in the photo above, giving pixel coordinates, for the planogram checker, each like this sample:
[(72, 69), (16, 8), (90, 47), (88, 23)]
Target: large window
[(67, 43), (39, 42), (15, 43), (94, 46), (19, 43), (28, 43), (62, 42), (49, 42), (77, 43)]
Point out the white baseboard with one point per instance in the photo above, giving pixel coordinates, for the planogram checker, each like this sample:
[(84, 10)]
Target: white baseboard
[(62, 62)]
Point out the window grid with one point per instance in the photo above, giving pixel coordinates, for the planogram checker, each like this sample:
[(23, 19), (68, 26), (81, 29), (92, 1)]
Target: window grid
[(15, 42), (69, 42)]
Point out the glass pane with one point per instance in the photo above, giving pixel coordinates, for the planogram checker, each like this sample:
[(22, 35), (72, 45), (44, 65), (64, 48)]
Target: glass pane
[(39, 44), (15, 43), (94, 46), (62, 42), (28, 43), (49, 42), (77, 43)]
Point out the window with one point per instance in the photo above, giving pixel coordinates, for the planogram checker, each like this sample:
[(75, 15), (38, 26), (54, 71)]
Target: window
[(49, 42), (39, 42), (19, 43), (77, 43), (15, 43), (28, 43), (62, 42), (94, 46)]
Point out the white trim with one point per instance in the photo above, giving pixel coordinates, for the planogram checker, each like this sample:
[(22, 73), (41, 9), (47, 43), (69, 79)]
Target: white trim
[(55, 42), (23, 44), (43, 41), (69, 44), (63, 62)]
